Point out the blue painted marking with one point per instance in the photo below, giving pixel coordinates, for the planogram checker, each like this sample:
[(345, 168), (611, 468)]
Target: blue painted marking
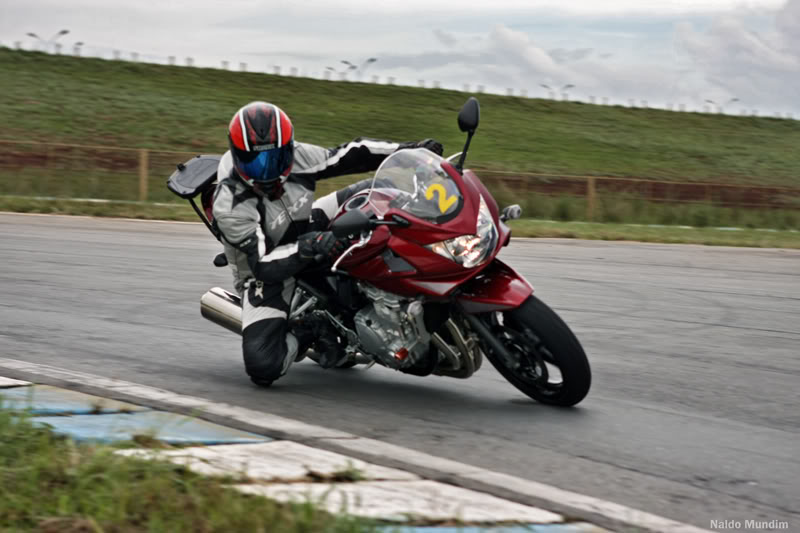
[(46, 400), (167, 427), (532, 528)]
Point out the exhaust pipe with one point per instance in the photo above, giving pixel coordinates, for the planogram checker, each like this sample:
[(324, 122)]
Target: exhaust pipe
[(223, 308)]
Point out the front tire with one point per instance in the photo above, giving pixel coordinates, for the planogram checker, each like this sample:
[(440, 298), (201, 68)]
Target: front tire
[(540, 343)]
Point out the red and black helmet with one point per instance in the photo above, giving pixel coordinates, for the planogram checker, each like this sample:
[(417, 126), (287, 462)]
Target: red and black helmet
[(261, 139)]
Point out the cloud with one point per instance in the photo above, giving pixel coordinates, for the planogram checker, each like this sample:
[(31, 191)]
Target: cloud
[(517, 48), (447, 39), (788, 21), (564, 55), (746, 53), (755, 66)]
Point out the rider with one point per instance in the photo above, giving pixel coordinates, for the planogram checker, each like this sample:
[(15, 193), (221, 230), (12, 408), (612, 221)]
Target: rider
[(272, 229)]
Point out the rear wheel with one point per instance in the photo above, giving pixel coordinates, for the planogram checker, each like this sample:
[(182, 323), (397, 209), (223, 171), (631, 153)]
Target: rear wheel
[(546, 360)]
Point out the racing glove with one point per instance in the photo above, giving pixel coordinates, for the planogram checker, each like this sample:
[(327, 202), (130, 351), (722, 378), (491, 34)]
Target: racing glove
[(321, 246), (430, 144)]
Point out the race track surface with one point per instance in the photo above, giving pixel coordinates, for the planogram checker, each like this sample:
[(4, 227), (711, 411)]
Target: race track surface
[(694, 413)]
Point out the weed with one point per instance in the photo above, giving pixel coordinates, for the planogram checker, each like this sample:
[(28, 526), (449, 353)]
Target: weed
[(48, 483)]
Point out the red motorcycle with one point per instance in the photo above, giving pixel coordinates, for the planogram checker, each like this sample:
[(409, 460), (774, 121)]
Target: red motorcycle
[(421, 290)]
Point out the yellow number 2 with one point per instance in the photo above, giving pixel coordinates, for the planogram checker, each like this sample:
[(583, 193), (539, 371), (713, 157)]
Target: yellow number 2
[(444, 201)]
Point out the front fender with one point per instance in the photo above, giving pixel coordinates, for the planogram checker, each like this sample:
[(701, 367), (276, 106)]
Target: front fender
[(497, 288)]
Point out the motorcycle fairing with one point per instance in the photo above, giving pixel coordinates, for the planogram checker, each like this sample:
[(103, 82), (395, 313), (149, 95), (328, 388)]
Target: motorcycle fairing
[(497, 288), (430, 274)]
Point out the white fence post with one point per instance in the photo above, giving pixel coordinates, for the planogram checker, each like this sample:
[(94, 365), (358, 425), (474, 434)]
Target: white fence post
[(224, 65)]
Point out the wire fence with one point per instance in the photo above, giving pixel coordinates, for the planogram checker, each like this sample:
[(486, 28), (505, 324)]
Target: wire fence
[(63, 170)]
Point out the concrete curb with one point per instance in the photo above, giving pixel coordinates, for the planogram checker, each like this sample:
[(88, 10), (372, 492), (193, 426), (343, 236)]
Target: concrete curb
[(573, 506)]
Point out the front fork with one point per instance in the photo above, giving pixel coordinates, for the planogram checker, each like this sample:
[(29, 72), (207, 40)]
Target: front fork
[(489, 340)]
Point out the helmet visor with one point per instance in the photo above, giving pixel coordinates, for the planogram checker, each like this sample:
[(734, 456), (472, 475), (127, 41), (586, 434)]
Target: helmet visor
[(264, 166)]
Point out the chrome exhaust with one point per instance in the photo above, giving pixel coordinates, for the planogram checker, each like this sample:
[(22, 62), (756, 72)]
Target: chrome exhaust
[(223, 308)]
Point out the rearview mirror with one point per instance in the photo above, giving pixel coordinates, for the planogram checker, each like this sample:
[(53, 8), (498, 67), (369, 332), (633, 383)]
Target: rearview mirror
[(470, 115), (512, 212), (350, 223)]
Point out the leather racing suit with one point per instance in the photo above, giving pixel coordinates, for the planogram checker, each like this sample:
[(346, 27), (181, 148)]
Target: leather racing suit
[(260, 240)]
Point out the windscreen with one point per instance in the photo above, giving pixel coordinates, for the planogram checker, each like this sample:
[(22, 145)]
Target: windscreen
[(414, 181)]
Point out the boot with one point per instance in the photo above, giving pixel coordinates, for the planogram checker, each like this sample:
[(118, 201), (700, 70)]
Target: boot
[(304, 334), (316, 331)]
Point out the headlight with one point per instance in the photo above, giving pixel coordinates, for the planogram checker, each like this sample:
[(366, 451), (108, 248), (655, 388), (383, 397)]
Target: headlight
[(470, 250)]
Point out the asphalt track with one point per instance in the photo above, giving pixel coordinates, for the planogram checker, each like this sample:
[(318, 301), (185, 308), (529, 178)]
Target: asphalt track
[(694, 412)]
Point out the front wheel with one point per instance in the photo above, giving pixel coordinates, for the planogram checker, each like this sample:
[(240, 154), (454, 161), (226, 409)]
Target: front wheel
[(546, 360)]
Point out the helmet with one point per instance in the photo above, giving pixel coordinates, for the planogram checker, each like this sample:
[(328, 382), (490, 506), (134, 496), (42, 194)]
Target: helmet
[(261, 139)]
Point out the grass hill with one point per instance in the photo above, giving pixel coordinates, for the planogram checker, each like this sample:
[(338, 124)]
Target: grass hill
[(94, 101)]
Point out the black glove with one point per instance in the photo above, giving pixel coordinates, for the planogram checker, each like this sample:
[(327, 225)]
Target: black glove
[(321, 246), (429, 144), (433, 145)]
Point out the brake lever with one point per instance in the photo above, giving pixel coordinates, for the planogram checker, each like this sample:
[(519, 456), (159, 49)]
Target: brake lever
[(365, 237)]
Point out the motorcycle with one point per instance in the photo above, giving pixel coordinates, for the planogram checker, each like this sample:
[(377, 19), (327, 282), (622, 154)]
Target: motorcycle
[(421, 289)]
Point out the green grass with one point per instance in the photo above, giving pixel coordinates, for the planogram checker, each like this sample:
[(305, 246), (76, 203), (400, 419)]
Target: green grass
[(176, 211), (521, 228), (51, 484), (666, 234), (93, 101), (624, 209)]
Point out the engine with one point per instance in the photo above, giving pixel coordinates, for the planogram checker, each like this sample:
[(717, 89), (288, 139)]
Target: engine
[(392, 328)]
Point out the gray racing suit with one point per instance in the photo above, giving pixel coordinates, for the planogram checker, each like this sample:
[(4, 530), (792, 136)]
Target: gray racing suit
[(260, 241)]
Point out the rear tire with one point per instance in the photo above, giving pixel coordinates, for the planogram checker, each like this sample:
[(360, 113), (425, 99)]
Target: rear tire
[(538, 339)]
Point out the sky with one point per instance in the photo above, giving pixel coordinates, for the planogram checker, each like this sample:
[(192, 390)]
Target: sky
[(742, 55)]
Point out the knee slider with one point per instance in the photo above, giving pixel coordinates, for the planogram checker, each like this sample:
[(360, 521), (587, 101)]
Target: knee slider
[(260, 363)]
